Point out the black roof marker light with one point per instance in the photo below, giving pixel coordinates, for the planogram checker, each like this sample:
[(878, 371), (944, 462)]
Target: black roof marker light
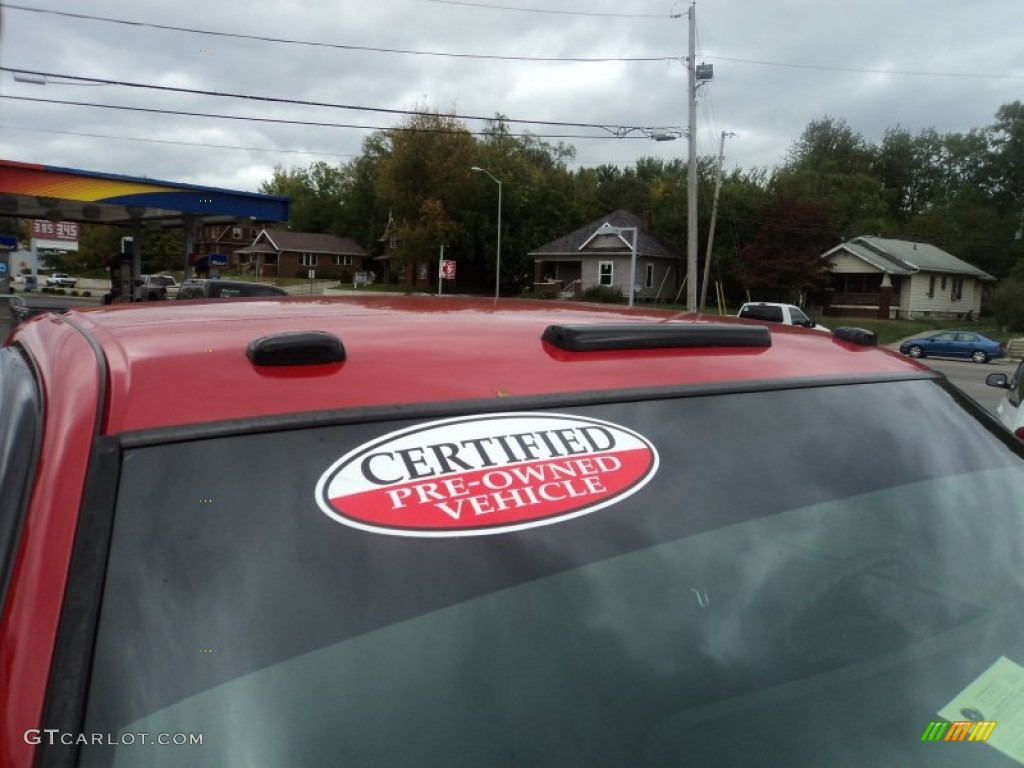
[(298, 348), (859, 336), (600, 337)]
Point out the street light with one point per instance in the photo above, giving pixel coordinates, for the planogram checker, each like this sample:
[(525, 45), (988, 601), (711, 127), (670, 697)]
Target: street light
[(497, 265), (608, 229)]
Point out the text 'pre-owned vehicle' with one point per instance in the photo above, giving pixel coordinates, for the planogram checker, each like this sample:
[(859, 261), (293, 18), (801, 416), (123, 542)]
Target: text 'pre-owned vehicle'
[(963, 344), (432, 531)]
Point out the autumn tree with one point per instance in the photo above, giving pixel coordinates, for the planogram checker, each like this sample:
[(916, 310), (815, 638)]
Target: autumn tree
[(782, 262)]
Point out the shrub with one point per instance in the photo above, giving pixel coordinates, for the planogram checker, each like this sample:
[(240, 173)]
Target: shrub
[(1007, 304), (602, 294)]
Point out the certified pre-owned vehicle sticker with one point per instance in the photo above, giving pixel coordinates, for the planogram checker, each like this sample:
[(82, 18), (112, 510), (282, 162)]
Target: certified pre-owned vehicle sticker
[(485, 474)]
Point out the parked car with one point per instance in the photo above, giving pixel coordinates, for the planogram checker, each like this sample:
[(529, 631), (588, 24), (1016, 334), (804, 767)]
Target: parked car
[(61, 280), (963, 344), (156, 287), (433, 531), (772, 312), (1010, 409), (226, 289)]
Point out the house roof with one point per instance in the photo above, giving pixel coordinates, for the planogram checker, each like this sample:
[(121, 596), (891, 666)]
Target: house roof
[(306, 242), (582, 242), (902, 257)]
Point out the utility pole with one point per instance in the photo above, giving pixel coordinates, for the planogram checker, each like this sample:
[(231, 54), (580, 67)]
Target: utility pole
[(714, 216), (691, 190)]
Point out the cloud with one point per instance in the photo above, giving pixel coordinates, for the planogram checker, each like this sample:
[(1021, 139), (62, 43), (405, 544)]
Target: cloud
[(778, 66)]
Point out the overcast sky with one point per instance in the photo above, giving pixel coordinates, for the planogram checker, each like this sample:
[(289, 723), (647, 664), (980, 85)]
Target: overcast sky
[(778, 64)]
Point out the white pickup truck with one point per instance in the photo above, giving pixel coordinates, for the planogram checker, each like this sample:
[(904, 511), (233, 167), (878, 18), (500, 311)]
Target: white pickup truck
[(156, 288), (772, 312), (60, 280)]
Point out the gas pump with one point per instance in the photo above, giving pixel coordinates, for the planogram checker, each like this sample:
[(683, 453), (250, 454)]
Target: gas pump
[(122, 277)]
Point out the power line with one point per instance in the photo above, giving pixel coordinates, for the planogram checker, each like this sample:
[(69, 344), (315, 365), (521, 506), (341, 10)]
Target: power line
[(284, 121), (619, 131), (336, 46), (170, 141), (867, 70), (595, 14), (409, 52)]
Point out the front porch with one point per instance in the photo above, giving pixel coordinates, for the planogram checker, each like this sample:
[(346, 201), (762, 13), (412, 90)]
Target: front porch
[(861, 295), (562, 277)]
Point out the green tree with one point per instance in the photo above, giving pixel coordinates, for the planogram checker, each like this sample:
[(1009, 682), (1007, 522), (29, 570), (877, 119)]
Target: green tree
[(910, 170), (316, 192), (829, 145), (1007, 147), (423, 177), (1007, 300)]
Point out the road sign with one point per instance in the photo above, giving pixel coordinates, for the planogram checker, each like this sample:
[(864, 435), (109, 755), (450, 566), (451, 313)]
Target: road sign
[(3, 267), (8, 243), (448, 269), (218, 260)]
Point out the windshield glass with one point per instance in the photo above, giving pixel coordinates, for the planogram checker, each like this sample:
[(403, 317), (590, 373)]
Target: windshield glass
[(801, 577), (798, 316)]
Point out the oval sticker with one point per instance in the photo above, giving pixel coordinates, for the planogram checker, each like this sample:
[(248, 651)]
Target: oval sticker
[(479, 475)]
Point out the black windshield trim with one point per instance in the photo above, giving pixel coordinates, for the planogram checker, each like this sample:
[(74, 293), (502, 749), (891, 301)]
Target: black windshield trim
[(71, 663), (163, 435)]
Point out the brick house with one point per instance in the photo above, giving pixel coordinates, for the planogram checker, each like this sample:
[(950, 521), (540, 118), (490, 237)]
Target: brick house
[(418, 273), (283, 253), (223, 239)]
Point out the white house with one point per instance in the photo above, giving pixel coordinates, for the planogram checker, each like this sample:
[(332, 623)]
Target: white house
[(879, 277)]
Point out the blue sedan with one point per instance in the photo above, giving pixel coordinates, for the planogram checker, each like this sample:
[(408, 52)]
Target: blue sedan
[(966, 344)]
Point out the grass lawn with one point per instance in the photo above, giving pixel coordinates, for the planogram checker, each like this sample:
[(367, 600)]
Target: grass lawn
[(890, 331)]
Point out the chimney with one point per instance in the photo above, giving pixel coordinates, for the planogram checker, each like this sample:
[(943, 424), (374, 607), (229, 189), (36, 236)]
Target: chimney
[(645, 222)]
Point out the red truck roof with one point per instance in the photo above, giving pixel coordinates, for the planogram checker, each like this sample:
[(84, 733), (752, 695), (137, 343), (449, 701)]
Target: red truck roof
[(171, 364)]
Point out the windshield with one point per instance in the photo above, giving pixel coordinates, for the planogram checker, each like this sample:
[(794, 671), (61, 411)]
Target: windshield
[(799, 318), (802, 577)]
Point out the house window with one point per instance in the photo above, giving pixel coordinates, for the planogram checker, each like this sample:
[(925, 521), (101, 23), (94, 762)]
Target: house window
[(605, 274), (236, 233), (392, 242), (649, 276), (270, 258), (342, 261), (958, 288), (931, 286), (943, 282), (309, 259)]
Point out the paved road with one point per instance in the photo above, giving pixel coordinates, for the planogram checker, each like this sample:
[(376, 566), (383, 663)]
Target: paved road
[(970, 377)]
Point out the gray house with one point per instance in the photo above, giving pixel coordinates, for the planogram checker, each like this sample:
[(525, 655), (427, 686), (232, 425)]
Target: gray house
[(594, 256), (878, 277)]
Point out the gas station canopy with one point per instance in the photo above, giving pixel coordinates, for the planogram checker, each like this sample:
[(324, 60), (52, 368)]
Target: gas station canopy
[(33, 191)]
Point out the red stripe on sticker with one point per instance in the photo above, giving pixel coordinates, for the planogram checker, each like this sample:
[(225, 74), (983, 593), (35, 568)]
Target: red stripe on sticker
[(484, 475)]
